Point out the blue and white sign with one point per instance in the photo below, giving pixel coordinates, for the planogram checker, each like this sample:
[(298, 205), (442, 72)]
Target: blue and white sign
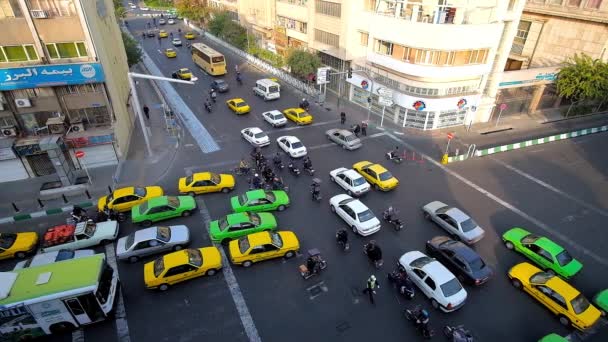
[(50, 75)]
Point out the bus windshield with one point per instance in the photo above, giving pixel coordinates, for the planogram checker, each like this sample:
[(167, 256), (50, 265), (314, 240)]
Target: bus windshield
[(105, 284), (218, 59)]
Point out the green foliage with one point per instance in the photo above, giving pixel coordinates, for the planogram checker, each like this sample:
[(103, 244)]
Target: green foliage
[(193, 10), (159, 4), (217, 24), (223, 27), (303, 63), (119, 10), (132, 49), (583, 79), (268, 56)]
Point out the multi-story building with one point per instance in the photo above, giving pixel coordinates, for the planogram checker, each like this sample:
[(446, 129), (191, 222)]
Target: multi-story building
[(548, 33), (259, 17), (230, 6), (63, 88)]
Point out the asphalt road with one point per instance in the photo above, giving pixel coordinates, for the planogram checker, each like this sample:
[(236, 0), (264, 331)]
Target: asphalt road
[(331, 307)]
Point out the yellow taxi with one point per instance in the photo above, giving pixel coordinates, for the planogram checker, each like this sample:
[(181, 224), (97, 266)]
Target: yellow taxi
[(238, 106), (190, 35), (171, 53), (203, 182), (183, 74), (261, 246), (377, 175), (179, 266), (124, 199), (163, 34), (298, 115), (17, 245), (557, 295)]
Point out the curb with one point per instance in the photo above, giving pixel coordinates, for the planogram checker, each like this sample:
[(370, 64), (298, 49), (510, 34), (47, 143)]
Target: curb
[(43, 213), (533, 142)]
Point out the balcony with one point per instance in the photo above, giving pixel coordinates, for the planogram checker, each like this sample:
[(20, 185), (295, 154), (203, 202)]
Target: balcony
[(15, 32), (292, 11), (420, 11)]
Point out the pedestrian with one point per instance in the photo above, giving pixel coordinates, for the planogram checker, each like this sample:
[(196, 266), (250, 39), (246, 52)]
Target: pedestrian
[(356, 130), (364, 128), (236, 68), (147, 112), (342, 118), (370, 288)]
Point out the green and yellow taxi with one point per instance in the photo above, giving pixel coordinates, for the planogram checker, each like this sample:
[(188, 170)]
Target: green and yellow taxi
[(236, 225)]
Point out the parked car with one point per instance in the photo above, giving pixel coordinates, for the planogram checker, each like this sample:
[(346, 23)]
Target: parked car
[(182, 74), (275, 118), (468, 266), (17, 245), (83, 235), (162, 208), (262, 246), (347, 139), (292, 146), (151, 241), (255, 136), (434, 280), (349, 180), (356, 214), (51, 257), (454, 221)]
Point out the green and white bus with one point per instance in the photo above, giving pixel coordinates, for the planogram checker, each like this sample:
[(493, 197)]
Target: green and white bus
[(56, 298)]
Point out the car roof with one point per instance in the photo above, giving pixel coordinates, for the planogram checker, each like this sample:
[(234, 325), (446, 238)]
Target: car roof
[(563, 288), (274, 112), (260, 238), (237, 99), (357, 205), (124, 191), (145, 234), (169, 49), (184, 70), (457, 214), (352, 174), (199, 176), (156, 201), (254, 129), (237, 217), (377, 167), (549, 245), (461, 250), (290, 138), (256, 194), (439, 273), (176, 258)]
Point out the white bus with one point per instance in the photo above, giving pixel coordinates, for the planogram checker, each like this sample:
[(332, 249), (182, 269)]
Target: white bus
[(56, 298)]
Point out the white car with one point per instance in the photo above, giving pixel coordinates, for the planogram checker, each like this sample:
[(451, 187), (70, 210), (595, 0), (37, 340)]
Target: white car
[(133, 6), (85, 234), (358, 216), (434, 280), (162, 21), (292, 146), (176, 42), (255, 136), (151, 241), (350, 180), (275, 118), (144, 8), (454, 221), (171, 22), (51, 257)]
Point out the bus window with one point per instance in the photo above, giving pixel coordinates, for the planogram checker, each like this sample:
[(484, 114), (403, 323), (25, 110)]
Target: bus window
[(91, 307), (105, 284), (218, 59)]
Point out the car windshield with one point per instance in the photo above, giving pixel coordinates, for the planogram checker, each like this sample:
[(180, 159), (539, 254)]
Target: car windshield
[(541, 277), (420, 262), (346, 201), (254, 218), (580, 304), (273, 89), (159, 266), (218, 59), (386, 175), (141, 192), (529, 239), (303, 114), (358, 181), (189, 180), (220, 83), (350, 137), (477, 264), (365, 216), (296, 145), (223, 223), (241, 104), (260, 135), (163, 234), (143, 208), (173, 201), (215, 178), (243, 199), (270, 196), (244, 245), (564, 258), (468, 225), (7, 240), (90, 228), (278, 116), (129, 241), (276, 239), (195, 257), (451, 288)]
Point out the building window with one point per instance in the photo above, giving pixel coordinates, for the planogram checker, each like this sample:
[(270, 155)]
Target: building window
[(383, 47), (80, 88), (363, 38), (327, 38), (576, 3), (292, 24), (520, 37), (7, 121), (10, 9), (328, 8), (33, 92), (56, 8), (593, 4), (370, 5), (556, 2), (67, 50), (295, 2), (18, 53), (93, 116), (431, 57)]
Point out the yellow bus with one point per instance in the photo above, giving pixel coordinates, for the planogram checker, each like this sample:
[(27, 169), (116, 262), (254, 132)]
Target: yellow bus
[(208, 59)]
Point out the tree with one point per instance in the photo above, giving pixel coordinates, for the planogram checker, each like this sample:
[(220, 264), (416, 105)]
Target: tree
[(303, 63), (218, 23), (583, 78), (235, 34), (132, 49), (119, 10), (196, 10)]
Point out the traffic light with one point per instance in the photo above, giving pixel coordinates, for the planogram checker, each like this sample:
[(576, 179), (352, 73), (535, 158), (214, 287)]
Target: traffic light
[(350, 73)]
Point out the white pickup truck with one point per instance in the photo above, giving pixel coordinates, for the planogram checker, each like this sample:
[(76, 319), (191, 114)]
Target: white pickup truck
[(83, 235)]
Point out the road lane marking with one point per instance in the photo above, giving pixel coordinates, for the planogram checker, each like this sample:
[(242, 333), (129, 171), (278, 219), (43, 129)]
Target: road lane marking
[(552, 188), (507, 205), (122, 327), (233, 285)]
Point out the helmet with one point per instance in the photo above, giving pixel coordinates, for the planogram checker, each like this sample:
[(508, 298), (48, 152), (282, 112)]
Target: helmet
[(256, 175), (372, 277), (303, 99), (424, 313)]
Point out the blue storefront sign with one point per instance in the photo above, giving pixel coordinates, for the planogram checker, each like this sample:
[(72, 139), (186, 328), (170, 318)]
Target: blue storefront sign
[(50, 75)]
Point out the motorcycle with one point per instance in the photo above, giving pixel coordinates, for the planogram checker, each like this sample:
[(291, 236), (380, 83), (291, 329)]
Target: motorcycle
[(242, 171), (457, 333), (390, 218), (208, 107), (304, 105), (343, 244), (377, 262), (310, 170), (403, 283), (276, 185), (293, 169), (316, 190), (423, 327), (319, 264), (110, 215), (391, 155), (279, 164)]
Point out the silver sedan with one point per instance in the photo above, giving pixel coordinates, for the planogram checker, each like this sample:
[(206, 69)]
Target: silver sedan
[(347, 139), (152, 240), (454, 221)]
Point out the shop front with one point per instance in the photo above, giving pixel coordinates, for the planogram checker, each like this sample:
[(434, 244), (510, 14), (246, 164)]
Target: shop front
[(97, 145), (11, 167)]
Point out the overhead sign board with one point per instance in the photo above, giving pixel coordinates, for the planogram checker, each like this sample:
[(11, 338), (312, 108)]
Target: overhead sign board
[(385, 101), (385, 92)]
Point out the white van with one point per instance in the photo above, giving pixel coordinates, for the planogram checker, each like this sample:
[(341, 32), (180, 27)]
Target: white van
[(267, 89)]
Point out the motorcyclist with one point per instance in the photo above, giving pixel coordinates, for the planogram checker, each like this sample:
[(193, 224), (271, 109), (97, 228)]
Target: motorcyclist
[(244, 166), (268, 174), (208, 105), (143, 35), (390, 212), (79, 214), (315, 190), (213, 94), (307, 163), (179, 31), (171, 34), (394, 153), (238, 77), (277, 184), (256, 181), (277, 159), (312, 264), (304, 104), (374, 253), (403, 282), (342, 236), (422, 319)]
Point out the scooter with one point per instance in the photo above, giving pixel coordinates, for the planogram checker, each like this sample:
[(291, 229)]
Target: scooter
[(310, 170), (457, 333), (403, 283), (279, 164), (413, 315), (377, 263), (316, 195), (390, 155), (293, 169), (320, 264), (396, 222)]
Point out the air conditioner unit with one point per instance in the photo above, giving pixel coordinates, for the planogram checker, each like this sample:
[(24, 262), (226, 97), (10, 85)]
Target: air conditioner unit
[(56, 125), (39, 14), (77, 127), (8, 131), (23, 103)]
